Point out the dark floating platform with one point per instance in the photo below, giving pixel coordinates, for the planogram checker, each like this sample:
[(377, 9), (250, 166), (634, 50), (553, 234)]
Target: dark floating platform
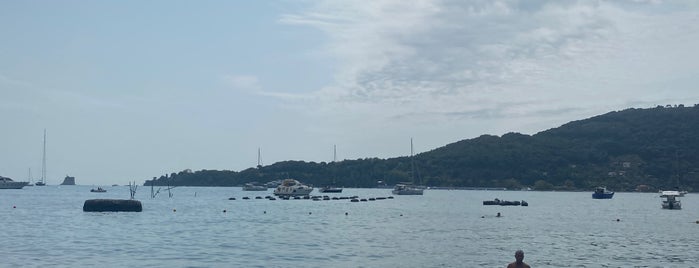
[(505, 203), (116, 205)]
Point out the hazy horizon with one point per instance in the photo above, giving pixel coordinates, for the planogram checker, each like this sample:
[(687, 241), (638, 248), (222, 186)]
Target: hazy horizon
[(132, 90)]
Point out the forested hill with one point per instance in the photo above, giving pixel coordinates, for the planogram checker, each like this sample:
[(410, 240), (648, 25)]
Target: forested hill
[(633, 149)]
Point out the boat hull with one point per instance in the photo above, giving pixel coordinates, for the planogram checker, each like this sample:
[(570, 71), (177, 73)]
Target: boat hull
[(261, 188), (293, 192), (291, 187), (7, 183), (602, 195), (13, 185), (408, 192), (330, 190)]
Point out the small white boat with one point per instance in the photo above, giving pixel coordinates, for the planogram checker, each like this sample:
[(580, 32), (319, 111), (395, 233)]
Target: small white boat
[(405, 189), (7, 183), (671, 200), (291, 187), (254, 187)]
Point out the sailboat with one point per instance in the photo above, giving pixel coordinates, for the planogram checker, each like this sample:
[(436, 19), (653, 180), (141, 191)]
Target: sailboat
[(407, 188), (330, 188), (29, 178), (42, 182)]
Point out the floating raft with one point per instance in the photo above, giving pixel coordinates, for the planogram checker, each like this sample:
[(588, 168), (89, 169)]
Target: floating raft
[(101, 205), (505, 203)]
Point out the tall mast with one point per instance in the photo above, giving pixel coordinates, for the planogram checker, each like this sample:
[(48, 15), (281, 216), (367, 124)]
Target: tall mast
[(259, 159), (334, 153), (43, 160), (412, 161)]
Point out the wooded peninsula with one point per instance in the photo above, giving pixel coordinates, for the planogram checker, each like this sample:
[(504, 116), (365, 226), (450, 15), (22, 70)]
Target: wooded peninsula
[(630, 150)]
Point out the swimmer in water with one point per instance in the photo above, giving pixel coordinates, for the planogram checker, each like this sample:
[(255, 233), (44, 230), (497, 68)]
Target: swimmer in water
[(519, 263)]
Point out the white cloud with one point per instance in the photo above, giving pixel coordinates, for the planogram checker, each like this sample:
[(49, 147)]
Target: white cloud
[(445, 58)]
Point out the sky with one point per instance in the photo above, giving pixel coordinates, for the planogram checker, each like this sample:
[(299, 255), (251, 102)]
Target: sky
[(131, 90)]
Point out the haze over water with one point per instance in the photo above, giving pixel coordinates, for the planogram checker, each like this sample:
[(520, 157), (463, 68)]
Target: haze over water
[(440, 229)]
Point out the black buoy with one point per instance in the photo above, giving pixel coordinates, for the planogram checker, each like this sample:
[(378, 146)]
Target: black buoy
[(232, 198), (101, 205)]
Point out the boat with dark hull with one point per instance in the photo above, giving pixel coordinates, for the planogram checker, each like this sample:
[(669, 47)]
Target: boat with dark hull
[(330, 189), (98, 190), (602, 193)]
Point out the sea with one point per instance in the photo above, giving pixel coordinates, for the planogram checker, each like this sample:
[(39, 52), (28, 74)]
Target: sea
[(201, 227)]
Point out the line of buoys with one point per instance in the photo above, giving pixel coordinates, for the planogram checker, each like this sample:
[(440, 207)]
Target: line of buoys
[(317, 198)]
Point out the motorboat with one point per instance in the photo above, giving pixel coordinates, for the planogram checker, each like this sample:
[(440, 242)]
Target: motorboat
[(7, 183), (291, 187), (406, 189), (602, 193), (330, 189), (254, 187), (98, 190), (671, 200)]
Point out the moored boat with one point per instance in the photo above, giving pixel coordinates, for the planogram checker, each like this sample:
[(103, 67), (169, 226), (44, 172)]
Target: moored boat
[(291, 187), (671, 200), (254, 187), (7, 183), (330, 189), (602, 193), (407, 189), (98, 190)]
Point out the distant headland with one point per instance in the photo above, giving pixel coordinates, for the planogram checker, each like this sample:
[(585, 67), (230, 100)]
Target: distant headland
[(629, 150)]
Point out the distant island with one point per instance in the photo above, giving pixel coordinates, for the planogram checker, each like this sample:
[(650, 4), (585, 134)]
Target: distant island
[(68, 180), (630, 150)]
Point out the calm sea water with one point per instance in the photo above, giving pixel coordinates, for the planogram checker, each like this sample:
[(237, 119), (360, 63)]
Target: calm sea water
[(439, 229)]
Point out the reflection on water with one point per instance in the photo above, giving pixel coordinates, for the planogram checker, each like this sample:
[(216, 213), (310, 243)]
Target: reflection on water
[(439, 229)]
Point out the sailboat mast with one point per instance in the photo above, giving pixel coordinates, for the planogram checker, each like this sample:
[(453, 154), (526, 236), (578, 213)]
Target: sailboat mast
[(43, 161), (259, 157), (412, 162), (334, 153)]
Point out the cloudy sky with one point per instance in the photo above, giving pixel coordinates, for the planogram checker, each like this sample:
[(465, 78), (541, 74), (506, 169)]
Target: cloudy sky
[(129, 90)]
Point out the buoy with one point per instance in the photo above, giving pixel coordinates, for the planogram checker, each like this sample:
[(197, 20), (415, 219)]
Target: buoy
[(232, 198), (265, 212), (309, 213), (617, 219), (174, 210), (401, 215), (14, 206), (348, 214), (224, 211)]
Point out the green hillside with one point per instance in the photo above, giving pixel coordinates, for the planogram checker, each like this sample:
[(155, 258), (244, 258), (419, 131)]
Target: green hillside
[(652, 148)]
